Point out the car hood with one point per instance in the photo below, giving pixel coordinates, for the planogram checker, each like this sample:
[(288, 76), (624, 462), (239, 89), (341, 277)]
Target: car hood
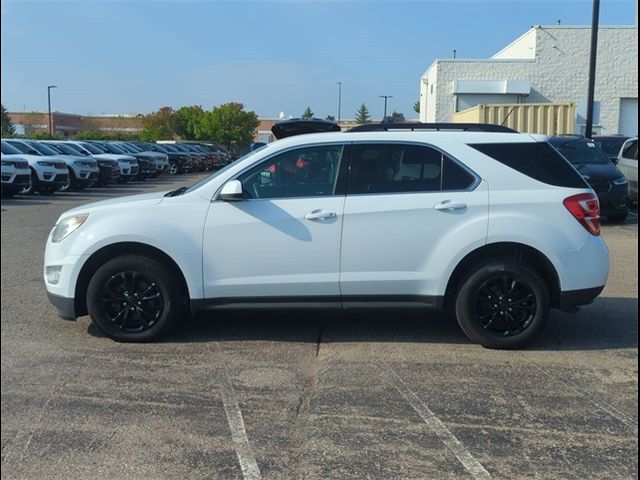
[(114, 156), (598, 172), (128, 202)]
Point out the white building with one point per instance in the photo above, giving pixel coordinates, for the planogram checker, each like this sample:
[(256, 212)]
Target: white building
[(546, 64)]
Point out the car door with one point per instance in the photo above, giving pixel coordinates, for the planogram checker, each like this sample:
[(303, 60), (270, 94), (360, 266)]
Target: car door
[(629, 165), (410, 211), (283, 239)]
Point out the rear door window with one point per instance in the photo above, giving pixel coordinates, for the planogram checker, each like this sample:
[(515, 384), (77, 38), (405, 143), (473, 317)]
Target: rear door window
[(402, 168), (631, 151), (538, 160)]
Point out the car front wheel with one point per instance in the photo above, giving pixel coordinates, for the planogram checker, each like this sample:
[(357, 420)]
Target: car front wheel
[(502, 303), (135, 298)]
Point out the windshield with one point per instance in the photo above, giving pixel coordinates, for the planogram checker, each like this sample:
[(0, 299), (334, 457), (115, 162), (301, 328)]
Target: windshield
[(92, 148), (67, 149), (43, 149), (133, 148), (581, 151), (610, 146), (23, 148), (9, 149), (114, 148), (208, 178)]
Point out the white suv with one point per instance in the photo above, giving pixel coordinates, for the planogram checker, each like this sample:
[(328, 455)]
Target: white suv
[(628, 164), (494, 224)]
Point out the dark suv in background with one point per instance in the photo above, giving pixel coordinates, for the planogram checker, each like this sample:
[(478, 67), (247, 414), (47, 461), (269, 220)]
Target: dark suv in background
[(610, 145), (596, 168)]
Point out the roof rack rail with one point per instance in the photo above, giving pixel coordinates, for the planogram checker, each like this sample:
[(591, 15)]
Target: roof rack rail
[(465, 127)]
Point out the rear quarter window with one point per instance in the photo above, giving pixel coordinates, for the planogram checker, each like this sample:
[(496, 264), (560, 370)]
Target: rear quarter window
[(539, 161)]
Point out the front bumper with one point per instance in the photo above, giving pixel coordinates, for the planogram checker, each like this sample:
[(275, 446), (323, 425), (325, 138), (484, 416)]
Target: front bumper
[(615, 201), (66, 306)]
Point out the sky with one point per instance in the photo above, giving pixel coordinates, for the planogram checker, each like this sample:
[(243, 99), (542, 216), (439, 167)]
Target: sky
[(124, 57)]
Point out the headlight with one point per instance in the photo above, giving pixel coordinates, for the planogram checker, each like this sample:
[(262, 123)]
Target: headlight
[(620, 181), (45, 164), (67, 226)]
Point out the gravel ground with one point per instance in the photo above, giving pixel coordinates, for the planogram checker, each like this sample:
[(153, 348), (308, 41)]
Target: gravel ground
[(319, 395)]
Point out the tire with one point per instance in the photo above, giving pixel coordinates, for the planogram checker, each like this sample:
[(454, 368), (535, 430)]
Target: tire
[(521, 309), (116, 299), (618, 217), (32, 188)]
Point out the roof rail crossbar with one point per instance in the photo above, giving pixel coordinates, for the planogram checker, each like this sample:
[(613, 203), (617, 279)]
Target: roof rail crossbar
[(412, 126)]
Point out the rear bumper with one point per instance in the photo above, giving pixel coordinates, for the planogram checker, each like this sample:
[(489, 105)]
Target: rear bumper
[(575, 298), (66, 306)]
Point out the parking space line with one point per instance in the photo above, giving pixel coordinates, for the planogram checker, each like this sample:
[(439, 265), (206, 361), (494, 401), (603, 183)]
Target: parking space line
[(473, 466), (589, 397), (248, 464)]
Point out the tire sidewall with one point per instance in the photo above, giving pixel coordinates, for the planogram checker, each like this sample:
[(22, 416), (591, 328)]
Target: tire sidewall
[(465, 303), (154, 271)]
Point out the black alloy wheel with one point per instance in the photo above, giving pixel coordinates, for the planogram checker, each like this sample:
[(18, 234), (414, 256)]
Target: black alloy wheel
[(502, 303), (131, 301), (505, 305), (135, 298)]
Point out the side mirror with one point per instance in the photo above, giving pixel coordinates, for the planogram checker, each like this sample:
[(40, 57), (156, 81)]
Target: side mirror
[(615, 160), (231, 191)]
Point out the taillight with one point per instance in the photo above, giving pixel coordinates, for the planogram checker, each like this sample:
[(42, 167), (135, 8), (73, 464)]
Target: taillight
[(586, 209)]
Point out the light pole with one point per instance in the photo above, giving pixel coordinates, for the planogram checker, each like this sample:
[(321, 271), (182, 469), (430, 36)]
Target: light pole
[(592, 68), (49, 87), (339, 100), (386, 97)]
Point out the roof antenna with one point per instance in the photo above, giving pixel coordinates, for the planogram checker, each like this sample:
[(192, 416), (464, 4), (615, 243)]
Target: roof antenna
[(454, 53), (558, 22)]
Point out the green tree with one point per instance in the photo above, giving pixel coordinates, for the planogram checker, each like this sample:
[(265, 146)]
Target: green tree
[(191, 122), (160, 125), (8, 128), (44, 135), (230, 124), (330, 118), (416, 107), (105, 135), (362, 115), (308, 113)]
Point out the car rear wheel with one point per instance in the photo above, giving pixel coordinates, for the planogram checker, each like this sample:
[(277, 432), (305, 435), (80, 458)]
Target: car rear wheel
[(135, 298), (503, 303)]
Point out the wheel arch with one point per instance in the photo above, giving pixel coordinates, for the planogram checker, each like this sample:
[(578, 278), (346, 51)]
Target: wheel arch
[(519, 251), (99, 257)]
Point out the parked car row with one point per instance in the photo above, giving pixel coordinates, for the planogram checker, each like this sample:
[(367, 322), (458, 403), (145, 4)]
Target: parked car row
[(602, 170), (47, 166)]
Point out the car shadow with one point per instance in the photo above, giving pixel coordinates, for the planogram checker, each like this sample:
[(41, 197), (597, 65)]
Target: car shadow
[(610, 323), (27, 200)]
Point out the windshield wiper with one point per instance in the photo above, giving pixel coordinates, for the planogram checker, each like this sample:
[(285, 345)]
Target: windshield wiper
[(176, 192)]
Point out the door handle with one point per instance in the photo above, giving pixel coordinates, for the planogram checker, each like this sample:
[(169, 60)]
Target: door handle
[(449, 206), (319, 215)]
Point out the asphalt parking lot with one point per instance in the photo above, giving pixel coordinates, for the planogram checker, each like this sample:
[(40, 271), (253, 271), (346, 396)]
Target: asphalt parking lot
[(314, 396)]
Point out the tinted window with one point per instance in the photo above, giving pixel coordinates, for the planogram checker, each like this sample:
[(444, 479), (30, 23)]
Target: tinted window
[(610, 145), (536, 160), (304, 172), (43, 149), (95, 149), (580, 151), (23, 147), (631, 151), (397, 168), (9, 149)]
